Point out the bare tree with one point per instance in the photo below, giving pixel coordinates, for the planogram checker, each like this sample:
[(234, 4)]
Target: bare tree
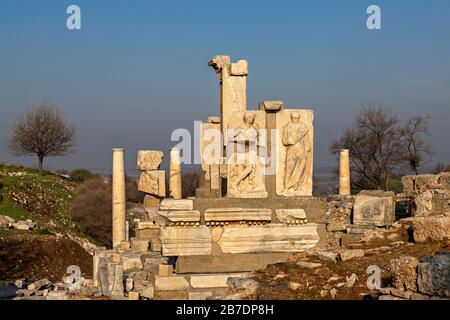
[(415, 151), (441, 167), (44, 133), (373, 145)]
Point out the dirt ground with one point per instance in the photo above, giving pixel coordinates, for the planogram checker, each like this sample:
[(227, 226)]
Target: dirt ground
[(275, 279), (34, 256)]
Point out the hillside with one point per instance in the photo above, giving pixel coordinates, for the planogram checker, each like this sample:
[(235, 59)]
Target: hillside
[(55, 243)]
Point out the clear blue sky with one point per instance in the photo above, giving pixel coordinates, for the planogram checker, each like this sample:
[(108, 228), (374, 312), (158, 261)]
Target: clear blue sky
[(138, 69)]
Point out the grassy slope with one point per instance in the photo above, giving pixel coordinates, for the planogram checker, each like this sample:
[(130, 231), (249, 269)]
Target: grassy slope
[(45, 198)]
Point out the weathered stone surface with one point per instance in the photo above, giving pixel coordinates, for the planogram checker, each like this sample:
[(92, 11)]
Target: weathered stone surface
[(119, 229), (115, 279), (131, 261), (153, 182), (348, 254), (148, 160), (295, 158), (228, 263), (6, 221), (270, 105), (327, 256), (431, 228), (175, 173), (184, 241), (268, 238), (434, 275), (444, 180), (209, 281), (213, 119), (177, 204), (148, 292), (182, 216), (165, 270), (244, 155), (288, 215), (139, 245), (239, 68), (423, 205), (39, 284), (151, 201), (403, 271), (308, 265), (24, 225), (174, 283), (344, 172), (237, 214), (374, 208), (172, 295)]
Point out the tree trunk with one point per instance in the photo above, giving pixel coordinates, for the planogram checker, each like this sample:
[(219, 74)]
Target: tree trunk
[(40, 163)]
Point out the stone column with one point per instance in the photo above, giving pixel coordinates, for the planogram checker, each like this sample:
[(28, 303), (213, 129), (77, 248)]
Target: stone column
[(175, 174), (118, 198), (344, 173)]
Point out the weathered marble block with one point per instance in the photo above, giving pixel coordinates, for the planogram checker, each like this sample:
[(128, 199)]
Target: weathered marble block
[(288, 215), (153, 182), (267, 238), (183, 216), (177, 204), (237, 214), (185, 241), (148, 160), (375, 208)]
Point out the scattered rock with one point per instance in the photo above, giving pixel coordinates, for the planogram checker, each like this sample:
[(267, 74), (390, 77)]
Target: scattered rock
[(327, 256), (24, 225), (323, 293), (348, 254), (389, 298), (294, 285), (350, 281), (333, 293), (308, 265), (6, 222), (39, 284)]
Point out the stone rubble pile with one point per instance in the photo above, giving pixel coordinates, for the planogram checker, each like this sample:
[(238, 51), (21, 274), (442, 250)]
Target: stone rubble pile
[(423, 279), (8, 222)]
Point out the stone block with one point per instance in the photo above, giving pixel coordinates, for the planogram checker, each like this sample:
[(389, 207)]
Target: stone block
[(209, 281), (183, 216), (140, 246), (134, 295), (268, 238), (149, 159), (153, 182), (433, 275), (165, 270), (39, 284), (125, 245), (287, 215), (172, 295), (131, 261), (431, 228), (237, 214), (374, 208), (239, 68), (151, 201), (184, 241), (174, 283), (177, 204), (228, 262), (148, 292)]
